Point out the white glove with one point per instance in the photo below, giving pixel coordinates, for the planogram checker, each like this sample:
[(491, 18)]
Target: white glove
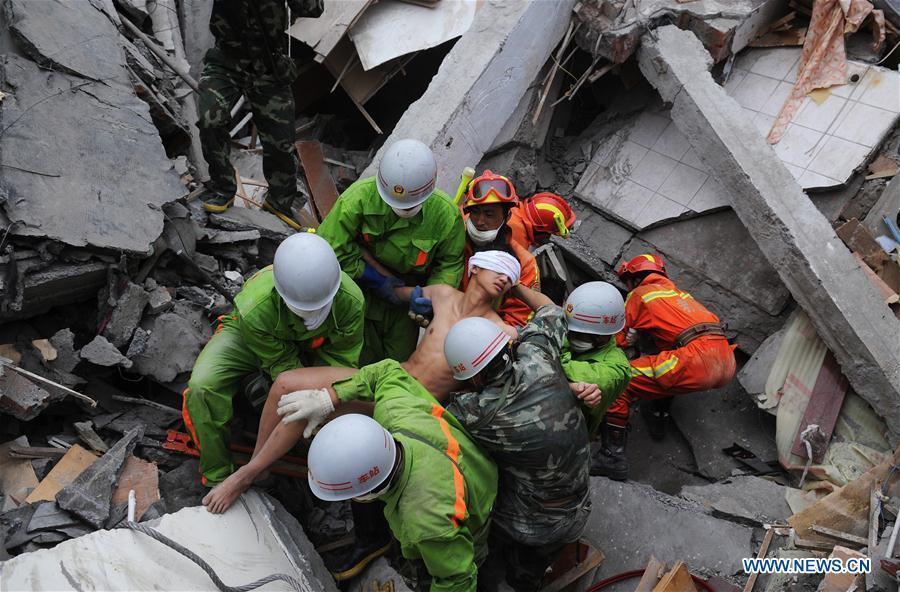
[(631, 337), (313, 405)]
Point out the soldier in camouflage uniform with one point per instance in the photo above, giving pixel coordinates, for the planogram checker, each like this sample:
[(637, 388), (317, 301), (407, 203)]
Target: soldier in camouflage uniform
[(250, 58), (525, 416)]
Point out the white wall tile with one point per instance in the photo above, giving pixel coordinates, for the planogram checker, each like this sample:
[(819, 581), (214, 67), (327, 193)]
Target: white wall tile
[(838, 158), (648, 128), (682, 184), (653, 170), (711, 195), (798, 145), (819, 117), (775, 62), (672, 143), (754, 91), (863, 124), (691, 159), (810, 179), (881, 89), (776, 100), (658, 209)]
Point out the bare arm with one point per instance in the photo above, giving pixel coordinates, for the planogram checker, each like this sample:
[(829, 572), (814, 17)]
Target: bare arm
[(532, 298)]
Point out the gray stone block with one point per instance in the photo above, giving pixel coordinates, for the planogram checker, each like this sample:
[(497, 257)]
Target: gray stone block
[(101, 352), (749, 500)]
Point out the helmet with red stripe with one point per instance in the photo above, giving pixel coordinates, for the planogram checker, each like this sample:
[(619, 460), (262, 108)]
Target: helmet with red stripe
[(471, 344), (596, 308), (645, 262), (549, 213)]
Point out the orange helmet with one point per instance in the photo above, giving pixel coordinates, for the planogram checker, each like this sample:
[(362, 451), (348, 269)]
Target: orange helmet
[(489, 189), (641, 263), (549, 213)]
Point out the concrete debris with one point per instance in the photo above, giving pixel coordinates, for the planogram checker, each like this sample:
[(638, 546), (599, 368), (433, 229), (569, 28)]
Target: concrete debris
[(89, 494), (679, 530), (461, 112), (49, 516), (612, 28), (103, 353), (253, 539), (87, 434), (265, 224), (20, 397), (180, 487), (66, 355), (749, 500), (755, 373), (175, 341), (126, 314), (103, 122), (159, 300), (827, 282), (138, 343)]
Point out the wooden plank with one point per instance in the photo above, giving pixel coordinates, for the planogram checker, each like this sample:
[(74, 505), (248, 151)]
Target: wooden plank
[(17, 478), (763, 551), (76, 460), (858, 238), (325, 32), (889, 295), (652, 574), (582, 557), (677, 580), (844, 537), (318, 178), (143, 478), (841, 582), (823, 408)]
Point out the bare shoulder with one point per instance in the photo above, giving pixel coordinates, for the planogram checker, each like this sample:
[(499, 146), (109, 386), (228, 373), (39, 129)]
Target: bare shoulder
[(508, 329), (440, 291)]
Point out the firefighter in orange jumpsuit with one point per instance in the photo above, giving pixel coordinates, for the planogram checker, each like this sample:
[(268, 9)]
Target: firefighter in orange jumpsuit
[(536, 218), (487, 207), (694, 356)]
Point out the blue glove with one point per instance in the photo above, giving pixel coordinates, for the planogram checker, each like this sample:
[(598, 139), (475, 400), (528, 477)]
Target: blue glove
[(382, 285), (420, 305)]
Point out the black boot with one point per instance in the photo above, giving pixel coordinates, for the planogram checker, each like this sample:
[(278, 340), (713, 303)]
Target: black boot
[(610, 461), (657, 417), (215, 201)]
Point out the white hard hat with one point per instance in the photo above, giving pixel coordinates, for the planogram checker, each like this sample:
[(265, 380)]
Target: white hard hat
[(349, 457), (471, 344), (406, 174), (306, 271), (596, 308)]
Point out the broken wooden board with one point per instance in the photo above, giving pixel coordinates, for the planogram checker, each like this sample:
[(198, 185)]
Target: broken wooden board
[(143, 478), (890, 296), (69, 467), (321, 185), (841, 582), (652, 574), (823, 408), (17, 478), (677, 580), (323, 34), (576, 561), (846, 509), (858, 238)]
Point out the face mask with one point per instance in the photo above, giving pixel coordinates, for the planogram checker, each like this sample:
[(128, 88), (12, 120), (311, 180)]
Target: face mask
[(480, 237), (577, 345), (409, 213), (312, 319)]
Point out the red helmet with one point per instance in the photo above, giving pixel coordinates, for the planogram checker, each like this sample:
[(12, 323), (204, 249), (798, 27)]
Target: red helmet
[(549, 213), (641, 263), (490, 188)]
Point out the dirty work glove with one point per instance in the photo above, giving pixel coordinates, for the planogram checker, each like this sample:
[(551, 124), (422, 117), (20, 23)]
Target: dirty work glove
[(313, 405), (382, 285), (420, 309), (631, 337)]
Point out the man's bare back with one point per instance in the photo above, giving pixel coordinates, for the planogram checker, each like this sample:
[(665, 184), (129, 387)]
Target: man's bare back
[(427, 363)]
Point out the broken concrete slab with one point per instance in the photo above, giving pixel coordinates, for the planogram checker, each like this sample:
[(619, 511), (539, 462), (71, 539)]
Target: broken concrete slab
[(30, 287), (268, 226), (820, 272), (175, 341), (89, 494), (102, 353), (159, 300), (755, 372), (254, 538), (123, 175), (181, 487), (126, 314), (17, 477), (49, 516), (480, 83), (713, 420), (87, 434), (749, 500), (20, 397), (66, 355), (680, 530), (612, 30)]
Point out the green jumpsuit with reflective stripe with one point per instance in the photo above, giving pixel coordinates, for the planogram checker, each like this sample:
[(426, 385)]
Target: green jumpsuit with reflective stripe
[(426, 249), (262, 334), (438, 509), (608, 368)]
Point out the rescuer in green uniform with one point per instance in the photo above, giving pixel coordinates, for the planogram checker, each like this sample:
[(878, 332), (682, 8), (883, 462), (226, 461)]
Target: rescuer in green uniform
[(300, 311), (438, 487), (396, 230)]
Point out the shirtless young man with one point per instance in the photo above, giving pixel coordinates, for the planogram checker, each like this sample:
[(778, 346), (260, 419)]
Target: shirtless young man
[(493, 274)]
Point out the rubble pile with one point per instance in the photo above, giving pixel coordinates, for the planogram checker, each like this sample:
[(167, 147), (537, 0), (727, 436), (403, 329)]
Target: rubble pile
[(666, 126)]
